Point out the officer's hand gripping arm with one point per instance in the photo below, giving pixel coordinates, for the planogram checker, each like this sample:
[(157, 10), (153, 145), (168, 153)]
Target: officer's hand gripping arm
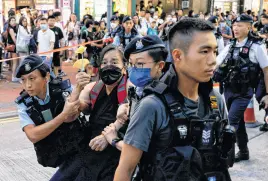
[(37, 133)]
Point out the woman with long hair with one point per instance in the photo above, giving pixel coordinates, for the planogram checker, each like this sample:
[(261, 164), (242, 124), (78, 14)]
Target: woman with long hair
[(11, 42), (23, 37), (72, 27)]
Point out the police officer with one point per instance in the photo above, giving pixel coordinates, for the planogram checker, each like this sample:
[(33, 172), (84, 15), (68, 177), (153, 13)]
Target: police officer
[(215, 21), (239, 66), (127, 33), (168, 107), (44, 111), (115, 26)]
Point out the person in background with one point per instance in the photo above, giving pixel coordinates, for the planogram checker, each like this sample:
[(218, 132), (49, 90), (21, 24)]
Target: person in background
[(150, 7), (58, 43), (2, 45), (11, 40), (23, 35), (137, 24), (159, 8), (59, 23), (18, 16), (46, 40), (33, 41), (226, 32), (73, 29), (191, 14), (87, 36), (152, 30), (103, 27)]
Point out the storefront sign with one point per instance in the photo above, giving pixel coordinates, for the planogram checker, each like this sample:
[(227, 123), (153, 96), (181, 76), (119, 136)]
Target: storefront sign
[(44, 1), (24, 3)]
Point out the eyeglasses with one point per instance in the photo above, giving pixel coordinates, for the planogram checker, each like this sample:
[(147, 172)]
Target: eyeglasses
[(138, 64)]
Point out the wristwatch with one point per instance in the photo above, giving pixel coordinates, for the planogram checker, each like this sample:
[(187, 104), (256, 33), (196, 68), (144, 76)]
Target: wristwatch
[(114, 141)]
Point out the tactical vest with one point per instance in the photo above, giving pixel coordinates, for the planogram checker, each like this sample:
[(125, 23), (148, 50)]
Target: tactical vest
[(237, 71), (66, 140), (209, 136), (125, 40), (121, 91)]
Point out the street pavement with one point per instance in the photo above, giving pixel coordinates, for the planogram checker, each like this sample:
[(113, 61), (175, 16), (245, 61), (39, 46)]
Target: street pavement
[(18, 160)]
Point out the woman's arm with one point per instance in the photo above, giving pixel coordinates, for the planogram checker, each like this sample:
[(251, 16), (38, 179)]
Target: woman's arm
[(12, 34)]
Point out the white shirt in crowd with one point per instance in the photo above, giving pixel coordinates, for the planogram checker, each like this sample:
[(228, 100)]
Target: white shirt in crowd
[(257, 53), (44, 40), (23, 35)]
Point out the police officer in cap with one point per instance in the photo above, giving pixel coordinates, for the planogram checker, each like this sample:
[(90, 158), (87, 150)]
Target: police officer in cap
[(127, 33), (44, 109), (239, 66), (215, 21), (167, 109), (115, 26)]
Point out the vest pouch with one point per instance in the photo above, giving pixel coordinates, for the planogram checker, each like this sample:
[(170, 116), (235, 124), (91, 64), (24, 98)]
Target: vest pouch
[(178, 163), (234, 81), (214, 176), (220, 73), (253, 75)]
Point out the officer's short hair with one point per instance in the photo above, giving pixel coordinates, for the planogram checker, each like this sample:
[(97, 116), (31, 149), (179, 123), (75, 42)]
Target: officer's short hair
[(158, 54), (181, 34), (43, 69), (111, 47)]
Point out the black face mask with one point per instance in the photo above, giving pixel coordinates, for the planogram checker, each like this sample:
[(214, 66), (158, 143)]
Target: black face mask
[(110, 74)]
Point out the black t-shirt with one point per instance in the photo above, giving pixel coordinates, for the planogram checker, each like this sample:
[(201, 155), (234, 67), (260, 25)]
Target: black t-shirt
[(88, 36), (58, 36)]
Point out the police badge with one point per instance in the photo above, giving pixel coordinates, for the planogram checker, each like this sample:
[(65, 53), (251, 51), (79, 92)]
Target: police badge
[(139, 45), (27, 67)]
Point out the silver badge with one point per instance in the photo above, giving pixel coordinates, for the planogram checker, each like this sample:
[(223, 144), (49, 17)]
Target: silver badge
[(139, 45), (183, 131), (27, 67), (238, 19)]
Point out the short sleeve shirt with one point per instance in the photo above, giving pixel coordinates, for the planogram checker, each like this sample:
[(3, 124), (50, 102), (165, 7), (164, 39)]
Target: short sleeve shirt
[(58, 36), (44, 39), (150, 115), (257, 53)]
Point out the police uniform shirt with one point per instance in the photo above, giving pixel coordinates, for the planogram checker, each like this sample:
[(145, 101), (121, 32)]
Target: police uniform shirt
[(150, 112), (117, 39), (257, 53), (24, 117), (220, 44)]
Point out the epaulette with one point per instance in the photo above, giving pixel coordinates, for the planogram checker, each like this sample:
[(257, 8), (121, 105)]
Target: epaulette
[(23, 96)]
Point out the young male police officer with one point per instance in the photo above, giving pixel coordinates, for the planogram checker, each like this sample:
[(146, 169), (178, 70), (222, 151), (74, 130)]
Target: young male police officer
[(43, 113), (127, 33), (239, 66), (192, 43)]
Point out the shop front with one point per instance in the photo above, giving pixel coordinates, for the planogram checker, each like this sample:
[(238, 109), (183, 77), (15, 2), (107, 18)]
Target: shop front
[(45, 5), (254, 5), (229, 5), (24, 3)]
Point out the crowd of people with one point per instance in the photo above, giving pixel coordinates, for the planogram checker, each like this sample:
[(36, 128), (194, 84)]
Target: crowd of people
[(153, 112)]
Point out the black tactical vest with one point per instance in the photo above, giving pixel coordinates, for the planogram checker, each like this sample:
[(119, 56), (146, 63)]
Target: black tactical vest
[(125, 40), (66, 140), (237, 71), (204, 134)]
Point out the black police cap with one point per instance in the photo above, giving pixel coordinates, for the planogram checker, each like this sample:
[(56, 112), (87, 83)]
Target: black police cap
[(126, 18), (244, 18), (114, 18), (28, 65), (141, 44), (213, 19)]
